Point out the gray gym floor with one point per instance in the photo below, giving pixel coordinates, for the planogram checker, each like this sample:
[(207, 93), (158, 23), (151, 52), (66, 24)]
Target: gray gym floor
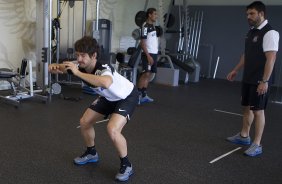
[(171, 140)]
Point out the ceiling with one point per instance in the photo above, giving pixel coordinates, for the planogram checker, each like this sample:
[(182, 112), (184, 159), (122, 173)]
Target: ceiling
[(228, 2)]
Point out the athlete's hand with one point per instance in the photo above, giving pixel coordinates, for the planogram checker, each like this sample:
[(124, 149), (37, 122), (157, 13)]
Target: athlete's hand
[(55, 68), (231, 75), (71, 67), (150, 60), (262, 88)]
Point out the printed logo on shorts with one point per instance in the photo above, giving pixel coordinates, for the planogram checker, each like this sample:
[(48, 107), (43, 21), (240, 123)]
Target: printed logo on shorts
[(96, 101), (121, 110)]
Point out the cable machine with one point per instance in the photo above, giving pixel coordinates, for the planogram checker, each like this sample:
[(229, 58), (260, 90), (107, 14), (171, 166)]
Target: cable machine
[(56, 26), (43, 42), (49, 38)]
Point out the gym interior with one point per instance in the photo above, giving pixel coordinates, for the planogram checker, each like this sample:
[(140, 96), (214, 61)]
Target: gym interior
[(178, 138)]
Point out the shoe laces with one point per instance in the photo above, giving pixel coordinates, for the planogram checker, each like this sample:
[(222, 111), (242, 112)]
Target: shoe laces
[(84, 154), (122, 168), (255, 147)]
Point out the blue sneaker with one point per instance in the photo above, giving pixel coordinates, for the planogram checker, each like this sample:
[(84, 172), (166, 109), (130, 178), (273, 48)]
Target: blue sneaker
[(254, 150), (145, 99), (86, 158), (124, 173), (238, 139)]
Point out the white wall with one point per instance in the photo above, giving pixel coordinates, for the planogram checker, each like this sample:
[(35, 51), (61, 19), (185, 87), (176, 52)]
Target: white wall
[(124, 19), (18, 26), (231, 2), (120, 12), (18, 19)]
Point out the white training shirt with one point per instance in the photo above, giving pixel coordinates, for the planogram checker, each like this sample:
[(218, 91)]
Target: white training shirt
[(119, 89), (270, 39), (149, 34)]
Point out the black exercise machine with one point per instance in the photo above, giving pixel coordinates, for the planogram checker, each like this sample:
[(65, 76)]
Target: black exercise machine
[(17, 80)]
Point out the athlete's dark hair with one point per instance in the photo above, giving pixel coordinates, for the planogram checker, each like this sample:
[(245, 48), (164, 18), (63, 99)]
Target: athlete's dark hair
[(150, 11), (87, 44), (257, 5)]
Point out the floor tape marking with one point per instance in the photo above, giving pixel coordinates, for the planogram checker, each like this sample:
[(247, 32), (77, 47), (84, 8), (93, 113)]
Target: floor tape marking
[(217, 110), (224, 155), (96, 122)]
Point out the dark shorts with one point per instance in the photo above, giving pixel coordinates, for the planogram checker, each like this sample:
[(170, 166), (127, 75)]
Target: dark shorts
[(251, 98), (145, 65), (124, 107)]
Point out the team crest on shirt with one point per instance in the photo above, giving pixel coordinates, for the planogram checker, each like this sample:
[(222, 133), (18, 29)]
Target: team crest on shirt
[(98, 72), (145, 31), (255, 39)]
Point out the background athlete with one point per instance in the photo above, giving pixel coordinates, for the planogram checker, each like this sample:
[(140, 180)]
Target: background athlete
[(149, 45)]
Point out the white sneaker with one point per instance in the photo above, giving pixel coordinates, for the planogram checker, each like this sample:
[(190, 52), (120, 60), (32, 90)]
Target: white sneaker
[(124, 173)]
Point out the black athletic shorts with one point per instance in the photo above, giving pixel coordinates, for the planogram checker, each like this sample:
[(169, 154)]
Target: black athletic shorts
[(124, 107), (251, 98), (146, 67)]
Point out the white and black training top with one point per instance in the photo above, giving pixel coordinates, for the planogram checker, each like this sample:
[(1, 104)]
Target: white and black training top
[(119, 89), (149, 34)]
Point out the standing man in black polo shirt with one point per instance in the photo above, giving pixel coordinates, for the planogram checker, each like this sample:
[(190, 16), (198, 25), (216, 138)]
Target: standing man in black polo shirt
[(149, 45), (261, 46)]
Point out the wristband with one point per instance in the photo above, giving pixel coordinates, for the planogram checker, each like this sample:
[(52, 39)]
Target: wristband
[(263, 81)]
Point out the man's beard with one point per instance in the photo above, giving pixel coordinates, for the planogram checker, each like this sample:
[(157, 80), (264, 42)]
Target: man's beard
[(254, 23)]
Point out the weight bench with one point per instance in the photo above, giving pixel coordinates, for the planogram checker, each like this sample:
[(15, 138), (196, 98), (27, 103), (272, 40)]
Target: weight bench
[(18, 91), (129, 70)]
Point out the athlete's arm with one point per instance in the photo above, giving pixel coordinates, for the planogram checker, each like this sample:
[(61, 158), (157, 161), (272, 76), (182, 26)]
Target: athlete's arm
[(144, 48), (235, 70), (95, 80), (57, 68), (270, 61)]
